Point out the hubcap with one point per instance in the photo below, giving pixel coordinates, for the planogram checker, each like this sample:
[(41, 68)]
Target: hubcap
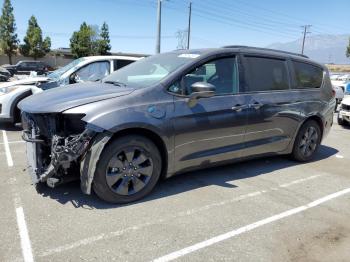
[(309, 141), (129, 171)]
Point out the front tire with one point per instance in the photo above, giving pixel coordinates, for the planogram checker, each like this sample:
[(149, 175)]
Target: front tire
[(307, 141), (128, 169)]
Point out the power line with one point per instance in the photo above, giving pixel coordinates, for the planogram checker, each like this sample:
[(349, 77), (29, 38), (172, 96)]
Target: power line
[(285, 16), (228, 20), (248, 15)]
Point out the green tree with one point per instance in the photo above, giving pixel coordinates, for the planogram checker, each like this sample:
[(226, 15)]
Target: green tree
[(348, 50), (89, 40), (34, 45), (103, 44), (83, 42), (8, 36)]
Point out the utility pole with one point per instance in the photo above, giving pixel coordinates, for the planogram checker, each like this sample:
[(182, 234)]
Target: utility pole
[(306, 27), (189, 26), (159, 23)]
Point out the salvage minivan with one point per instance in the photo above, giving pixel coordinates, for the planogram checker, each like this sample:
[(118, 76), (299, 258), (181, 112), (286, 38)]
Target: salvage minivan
[(175, 112)]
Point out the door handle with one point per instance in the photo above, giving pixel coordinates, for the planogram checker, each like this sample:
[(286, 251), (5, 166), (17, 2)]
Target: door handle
[(256, 105), (239, 108)]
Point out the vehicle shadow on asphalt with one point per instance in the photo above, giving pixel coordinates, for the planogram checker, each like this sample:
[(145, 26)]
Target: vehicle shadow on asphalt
[(219, 176), (10, 127)]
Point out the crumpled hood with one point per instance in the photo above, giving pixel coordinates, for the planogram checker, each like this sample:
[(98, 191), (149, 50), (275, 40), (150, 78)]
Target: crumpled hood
[(63, 98), (25, 81)]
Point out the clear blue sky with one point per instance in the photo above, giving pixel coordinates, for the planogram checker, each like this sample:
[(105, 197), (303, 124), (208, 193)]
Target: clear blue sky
[(215, 23)]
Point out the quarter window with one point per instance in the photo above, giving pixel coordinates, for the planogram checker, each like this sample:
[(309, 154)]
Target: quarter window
[(266, 74), (307, 75), (222, 73), (119, 63)]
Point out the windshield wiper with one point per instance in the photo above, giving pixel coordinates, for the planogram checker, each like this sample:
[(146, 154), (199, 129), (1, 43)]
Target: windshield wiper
[(116, 83)]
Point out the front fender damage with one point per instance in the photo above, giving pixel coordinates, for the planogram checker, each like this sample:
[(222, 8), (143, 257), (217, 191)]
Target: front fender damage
[(64, 152), (89, 162), (62, 148)]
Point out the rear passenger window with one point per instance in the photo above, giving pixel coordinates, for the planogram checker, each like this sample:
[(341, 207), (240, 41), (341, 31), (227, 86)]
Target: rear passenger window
[(266, 74), (307, 76)]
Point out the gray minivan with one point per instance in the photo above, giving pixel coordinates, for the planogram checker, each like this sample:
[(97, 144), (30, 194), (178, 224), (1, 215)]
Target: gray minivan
[(175, 112)]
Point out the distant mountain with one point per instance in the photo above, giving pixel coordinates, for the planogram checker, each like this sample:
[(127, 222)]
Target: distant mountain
[(322, 48)]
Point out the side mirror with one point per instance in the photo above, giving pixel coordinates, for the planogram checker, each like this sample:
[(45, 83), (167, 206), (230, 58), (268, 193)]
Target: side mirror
[(200, 90), (73, 78)]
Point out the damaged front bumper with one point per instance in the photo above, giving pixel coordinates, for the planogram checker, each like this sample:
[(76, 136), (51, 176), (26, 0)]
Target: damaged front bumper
[(54, 154)]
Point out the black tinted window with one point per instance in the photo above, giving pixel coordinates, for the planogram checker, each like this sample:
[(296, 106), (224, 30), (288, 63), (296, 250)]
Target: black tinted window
[(222, 73), (307, 76), (121, 63), (264, 74), (23, 64)]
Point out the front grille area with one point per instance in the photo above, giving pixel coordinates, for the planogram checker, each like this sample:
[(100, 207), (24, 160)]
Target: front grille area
[(54, 124), (345, 107)]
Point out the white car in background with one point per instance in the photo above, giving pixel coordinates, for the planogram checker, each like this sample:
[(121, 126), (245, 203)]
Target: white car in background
[(344, 78), (334, 77), (344, 111), (340, 80), (92, 68)]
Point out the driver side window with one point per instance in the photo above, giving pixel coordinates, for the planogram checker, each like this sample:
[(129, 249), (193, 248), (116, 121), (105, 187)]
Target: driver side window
[(222, 73)]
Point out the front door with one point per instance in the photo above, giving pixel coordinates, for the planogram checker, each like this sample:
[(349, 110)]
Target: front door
[(213, 130)]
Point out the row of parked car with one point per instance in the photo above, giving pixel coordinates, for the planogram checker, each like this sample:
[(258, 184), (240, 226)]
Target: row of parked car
[(341, 86), (85, 69), (120, 132), (23, 68)]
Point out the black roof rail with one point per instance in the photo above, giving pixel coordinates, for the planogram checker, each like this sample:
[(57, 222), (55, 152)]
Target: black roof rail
[(264, 49)]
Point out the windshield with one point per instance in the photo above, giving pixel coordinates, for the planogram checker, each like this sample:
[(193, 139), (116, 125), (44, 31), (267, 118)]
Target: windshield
[(149, 71), (57, 73)]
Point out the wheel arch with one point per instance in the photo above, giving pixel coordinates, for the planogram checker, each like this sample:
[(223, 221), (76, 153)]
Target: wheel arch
[(318, 119), (15, 102), (151, 135)]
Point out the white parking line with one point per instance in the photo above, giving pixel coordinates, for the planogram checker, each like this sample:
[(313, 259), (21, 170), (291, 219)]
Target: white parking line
[(13, 142), (90, 240), (21, 223), (244, 229), (23, 232), (339, 156), (7, 149)]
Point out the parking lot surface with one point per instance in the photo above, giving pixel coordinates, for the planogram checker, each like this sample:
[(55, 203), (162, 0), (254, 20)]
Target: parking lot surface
[(270, 209)]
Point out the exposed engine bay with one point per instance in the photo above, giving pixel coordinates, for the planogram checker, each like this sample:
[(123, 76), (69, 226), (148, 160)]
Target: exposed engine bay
[(56, 144)]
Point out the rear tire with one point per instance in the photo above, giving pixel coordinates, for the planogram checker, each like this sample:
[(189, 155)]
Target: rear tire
[(336, 105), (307, 141), (128, 169), (340, 121)]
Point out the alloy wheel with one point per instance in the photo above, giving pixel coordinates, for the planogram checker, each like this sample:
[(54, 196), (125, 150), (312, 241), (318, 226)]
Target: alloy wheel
[(129, 171), (309, 141)]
